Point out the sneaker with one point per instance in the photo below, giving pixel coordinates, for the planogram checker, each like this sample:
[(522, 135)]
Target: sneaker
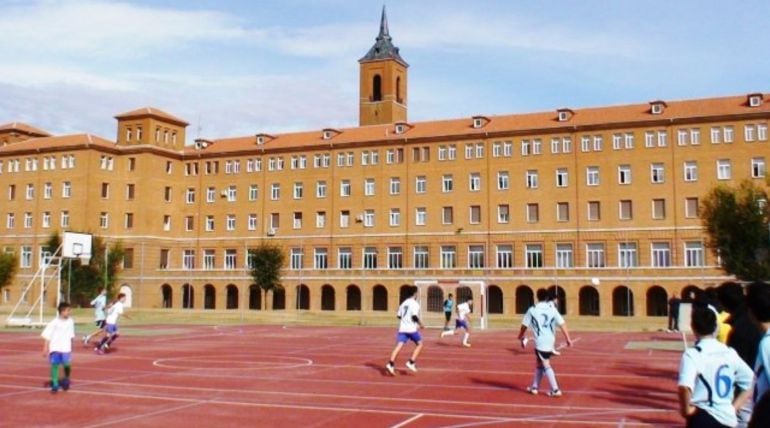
[(555, 393), (524, 342), (467, 345), (106, 346), (411, 366), (98, 351), (54, 389), (392, 370), (65, 384), (532, 390)]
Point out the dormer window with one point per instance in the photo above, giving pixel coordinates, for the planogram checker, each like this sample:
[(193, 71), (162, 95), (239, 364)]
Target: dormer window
[(329, 133), (200, 143), (479, 121), (402, 127), (564, 114), (657, 107), (755, 100), (263, 138)]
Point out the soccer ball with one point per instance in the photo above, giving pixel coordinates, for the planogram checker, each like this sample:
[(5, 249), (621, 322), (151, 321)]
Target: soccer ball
[(595, 281)]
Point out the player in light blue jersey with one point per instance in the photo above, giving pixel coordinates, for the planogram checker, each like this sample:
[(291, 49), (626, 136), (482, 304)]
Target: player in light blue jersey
[(758, 301), (542, 319), (710, 373), (408, 329), (99, 303)]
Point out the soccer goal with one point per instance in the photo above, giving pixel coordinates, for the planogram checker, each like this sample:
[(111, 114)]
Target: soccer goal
[(434, 292)]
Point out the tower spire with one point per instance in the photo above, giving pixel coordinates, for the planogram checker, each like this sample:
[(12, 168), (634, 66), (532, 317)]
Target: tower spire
[(384, 32), (383, 45)]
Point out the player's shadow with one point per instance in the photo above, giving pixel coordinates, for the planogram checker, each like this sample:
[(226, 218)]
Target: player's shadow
[(383, 371), (497, 384)]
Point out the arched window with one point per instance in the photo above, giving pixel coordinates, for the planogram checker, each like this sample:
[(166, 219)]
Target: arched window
[(622, 301), (524, 299), (232, 296), (279, 298), (126, 289), (377, 88), (589, 301), (561, 295), (327, 298), (379, 298), (495, 298), (255, 297), (463, 294), (657, 302), (398, 90), (303, 297), (404, 293), (167, 296), (188, 296), (435, 299), (353, 298), (209, 297)]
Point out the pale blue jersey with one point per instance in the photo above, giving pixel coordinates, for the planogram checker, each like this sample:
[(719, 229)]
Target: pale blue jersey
[(762, 368), (712, 370), (99, 303), (542, 319)]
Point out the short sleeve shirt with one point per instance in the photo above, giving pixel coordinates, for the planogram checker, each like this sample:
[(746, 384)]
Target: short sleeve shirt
[(114, 312), (99, 303), (542, 319), (463, 309), (761, 368), (59, 332), (448, 304), (406, 311), (712, 370)]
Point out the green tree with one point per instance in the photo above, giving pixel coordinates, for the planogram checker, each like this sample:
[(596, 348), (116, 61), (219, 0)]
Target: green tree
[(266, 263), (87, 279), (736, 220), (8, 265)]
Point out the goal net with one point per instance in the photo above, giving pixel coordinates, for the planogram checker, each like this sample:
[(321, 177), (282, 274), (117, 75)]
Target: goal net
[(432, 296)]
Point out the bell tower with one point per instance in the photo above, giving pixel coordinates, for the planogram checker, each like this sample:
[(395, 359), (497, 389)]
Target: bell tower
[(382, 81)]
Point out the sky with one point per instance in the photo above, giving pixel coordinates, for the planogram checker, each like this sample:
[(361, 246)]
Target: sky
[(240, 67)]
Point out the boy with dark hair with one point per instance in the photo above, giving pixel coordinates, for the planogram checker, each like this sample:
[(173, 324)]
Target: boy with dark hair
[(99, 303), (709, 375), (758, 299), (543, 319), (114, 311), (58, 335), (409, 316), (462, 322), (448, 305)]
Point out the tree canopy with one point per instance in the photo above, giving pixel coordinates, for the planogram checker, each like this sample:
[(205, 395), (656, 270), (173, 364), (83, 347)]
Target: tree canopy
[(8, 265), (736, 220), (266, 262)]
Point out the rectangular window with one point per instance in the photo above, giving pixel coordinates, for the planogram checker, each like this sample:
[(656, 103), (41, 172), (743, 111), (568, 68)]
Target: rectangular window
[(230, 222), (296, 220), (474, 182), (533, 213), (209, 225), (503, 213), (209, 259), (447, 183), (345, 258), (447, 215), (368, 187), (659, 209), (504, 256), (25, 261), (525, 148), (627, 255), (695, 136), (531, 179), (296, 257), (758, 168), (503, 182), (368, 218), (693, 254), (448, 257), (562, 177), (624, 174), (46, 219), (395, 185), (166, 223), (585, 143), (420, 185), (476, 257), (592, 176), (65, 219), (724, 169), (595, 255), (129, 223), (231, 259), (661, 254), (657, 173), (320, 258), (564, 256), (649, 139), (48, 191), (190, 196), (345, 189), (275, 191), (662, 139), (252, 222), (10, 221), (562, 211), (533, 254), (320, 219), (66, 189), (320, 189), (691, 208), (598, 143), (421, 257), (28, 220), (299, 190), (690, 171), (370, 258), (475, 214), (395, 217), (344, 218), (420, 216), (163, 259), (189, 223), (188, 259), (617, 141), (211, 195), (30, 194), (626, 210), (395, 258)]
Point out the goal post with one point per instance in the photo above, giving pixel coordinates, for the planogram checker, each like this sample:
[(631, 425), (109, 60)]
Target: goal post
[(433, 293)]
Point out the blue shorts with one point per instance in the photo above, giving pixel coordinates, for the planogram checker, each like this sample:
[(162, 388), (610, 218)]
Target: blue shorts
[(405, 337), (60, 358), (111, 328), (461, 324)]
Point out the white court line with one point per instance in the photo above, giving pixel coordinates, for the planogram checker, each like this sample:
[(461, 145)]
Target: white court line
[(408, 421), (112, 421), (496, 419)]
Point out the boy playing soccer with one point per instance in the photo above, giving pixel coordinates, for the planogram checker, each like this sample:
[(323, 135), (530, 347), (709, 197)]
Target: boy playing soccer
[(409, 314), (709, 374), (543, 319), (448, 304), (58, 335), (99, 317), (113, 313), (463, 321)]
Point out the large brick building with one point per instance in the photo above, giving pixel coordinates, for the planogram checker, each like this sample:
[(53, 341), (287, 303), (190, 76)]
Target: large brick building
[(518, 202)]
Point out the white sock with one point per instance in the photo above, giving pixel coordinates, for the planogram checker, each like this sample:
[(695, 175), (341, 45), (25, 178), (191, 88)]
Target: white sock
[(447, 333), (551, 375), (465, 337), (538, 378)]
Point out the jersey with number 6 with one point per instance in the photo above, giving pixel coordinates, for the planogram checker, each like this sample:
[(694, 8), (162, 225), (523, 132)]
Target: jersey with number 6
[(543, 318), (712, 370)]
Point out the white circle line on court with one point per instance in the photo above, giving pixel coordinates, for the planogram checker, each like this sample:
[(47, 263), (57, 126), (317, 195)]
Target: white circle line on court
[(168, 363)]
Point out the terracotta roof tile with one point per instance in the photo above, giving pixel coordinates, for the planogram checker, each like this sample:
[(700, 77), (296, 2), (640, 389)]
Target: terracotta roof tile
[(25, 128), (151, 111), (63, 141), (532, 123)]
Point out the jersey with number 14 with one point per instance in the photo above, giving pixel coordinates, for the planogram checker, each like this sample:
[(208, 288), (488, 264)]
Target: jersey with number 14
[(712, 370), (543, 318)]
